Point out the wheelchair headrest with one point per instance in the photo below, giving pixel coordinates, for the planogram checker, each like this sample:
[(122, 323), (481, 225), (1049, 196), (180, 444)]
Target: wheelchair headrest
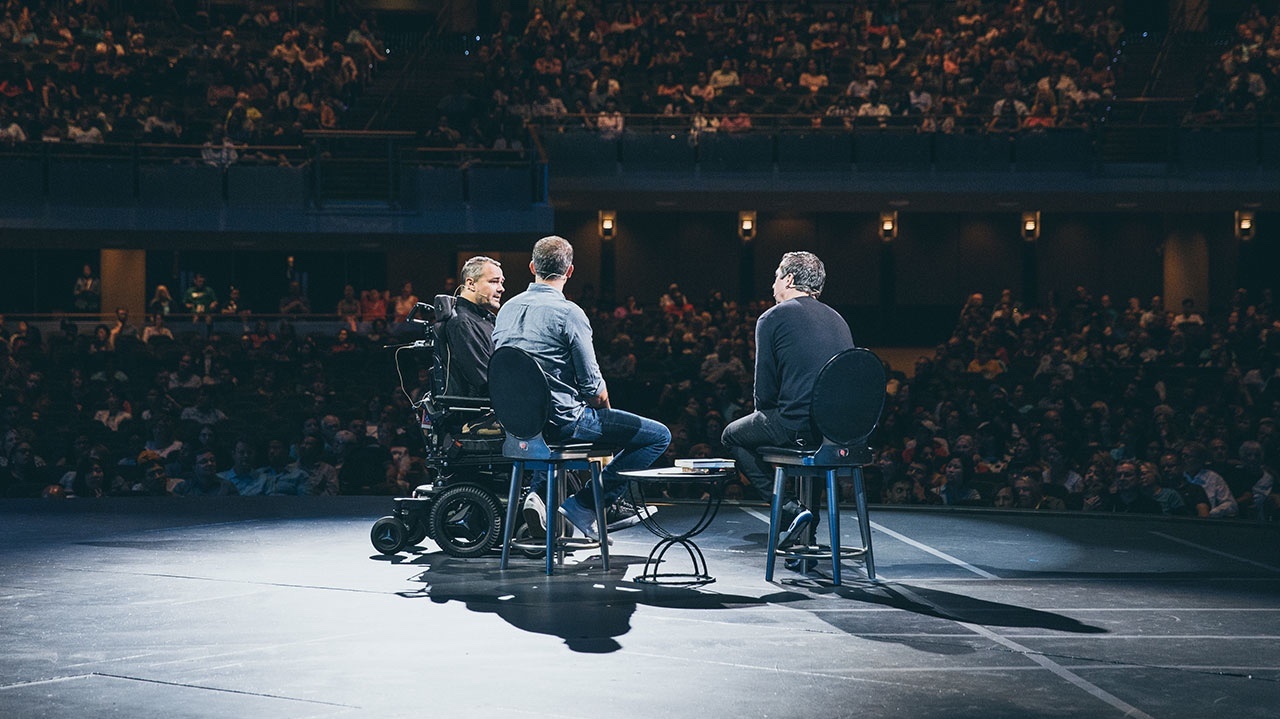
[(848, 396), (445, 307), (519, 392)]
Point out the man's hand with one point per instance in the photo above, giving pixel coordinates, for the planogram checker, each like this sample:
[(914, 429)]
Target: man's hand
[(600, 401)]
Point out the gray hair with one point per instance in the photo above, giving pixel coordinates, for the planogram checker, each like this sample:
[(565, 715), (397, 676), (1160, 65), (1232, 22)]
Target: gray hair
[(552, 257), (807, 271), (474, 267)]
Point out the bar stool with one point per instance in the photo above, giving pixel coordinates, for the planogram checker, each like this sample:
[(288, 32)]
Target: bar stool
[(521, 399), (848, 397)]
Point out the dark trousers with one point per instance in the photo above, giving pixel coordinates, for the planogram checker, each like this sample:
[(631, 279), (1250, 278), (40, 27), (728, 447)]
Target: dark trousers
[(758, 429)]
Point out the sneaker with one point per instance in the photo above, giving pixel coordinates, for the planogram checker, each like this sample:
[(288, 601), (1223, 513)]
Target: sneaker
[(795, 532), (624, 514), (535, 515), (803, 566), (580, 517)]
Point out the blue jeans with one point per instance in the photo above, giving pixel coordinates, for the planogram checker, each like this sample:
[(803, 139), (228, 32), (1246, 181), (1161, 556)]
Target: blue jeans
[(641, 440)]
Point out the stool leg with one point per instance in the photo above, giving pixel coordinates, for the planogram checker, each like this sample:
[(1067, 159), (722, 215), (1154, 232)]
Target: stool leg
[(553, 516), (833, 522), (864, 523), (517, 471), (597, 488), (775, 517)]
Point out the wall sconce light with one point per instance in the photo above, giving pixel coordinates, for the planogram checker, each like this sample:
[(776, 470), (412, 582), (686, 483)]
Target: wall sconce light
[(1245, 227), (747, 225), (1031, 226), (608, 224), (889, 225)]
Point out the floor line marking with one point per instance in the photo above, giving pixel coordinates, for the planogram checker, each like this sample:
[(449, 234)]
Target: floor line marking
[(222, 690), (935, 552), (251, 649), (1210, 550), (50, 680), (760, 667), (1045, 662), (905, 540)]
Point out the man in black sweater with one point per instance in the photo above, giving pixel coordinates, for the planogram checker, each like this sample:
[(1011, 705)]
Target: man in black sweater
[(469, 334), (794, 339)]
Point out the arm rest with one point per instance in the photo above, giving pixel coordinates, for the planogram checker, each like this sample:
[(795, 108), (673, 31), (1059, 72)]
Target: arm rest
[(463, 404)]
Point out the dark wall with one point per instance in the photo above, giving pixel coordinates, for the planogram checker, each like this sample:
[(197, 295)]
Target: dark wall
[(901, 292), (937, 259)]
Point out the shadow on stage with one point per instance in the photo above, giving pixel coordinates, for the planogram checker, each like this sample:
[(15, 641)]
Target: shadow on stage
[(936, 604), (585, 607)]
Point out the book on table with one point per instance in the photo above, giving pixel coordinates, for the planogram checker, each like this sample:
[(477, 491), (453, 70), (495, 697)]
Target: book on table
[(707, 464)]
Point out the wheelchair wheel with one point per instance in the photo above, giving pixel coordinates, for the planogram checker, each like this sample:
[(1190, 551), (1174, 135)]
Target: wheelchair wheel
[(418, 527), (466, 521), (526, 543), (388, 535)]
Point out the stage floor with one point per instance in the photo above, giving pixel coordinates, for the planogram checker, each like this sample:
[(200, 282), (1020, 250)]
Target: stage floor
[(280, 608)]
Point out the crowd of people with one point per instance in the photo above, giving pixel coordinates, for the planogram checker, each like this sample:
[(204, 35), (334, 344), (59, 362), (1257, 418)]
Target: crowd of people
[(259, 74), (724, 66), (1079, 404), (262, 74), (1065, 406), (1237, 84)]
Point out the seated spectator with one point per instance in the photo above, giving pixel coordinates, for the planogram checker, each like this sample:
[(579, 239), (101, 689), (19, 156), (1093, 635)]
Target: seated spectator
[(278, 476), (89, 480), (204, 480), (203, 412), (1170, 502), (1194, 498), (122, 329), (813, 78), (1008, 112), (321, 477), (373, 306), (199, 300), (22, 476), (724, 76), (294, 302), (242, 474), (1029, 486), (1221, 503), (163, 444), (610, 122), (151, 480), (86, 296), (115, 413), (349, 309)]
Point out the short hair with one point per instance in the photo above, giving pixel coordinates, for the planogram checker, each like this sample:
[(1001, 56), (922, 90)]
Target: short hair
[(552, 257), (807, 271), (474, 267)]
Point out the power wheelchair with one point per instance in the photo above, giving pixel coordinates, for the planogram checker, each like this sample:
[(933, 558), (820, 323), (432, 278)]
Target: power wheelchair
[(461, 506)]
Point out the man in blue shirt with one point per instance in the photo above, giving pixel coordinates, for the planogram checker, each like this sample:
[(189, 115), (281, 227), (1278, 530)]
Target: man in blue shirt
[(557, 334), (794, 340)]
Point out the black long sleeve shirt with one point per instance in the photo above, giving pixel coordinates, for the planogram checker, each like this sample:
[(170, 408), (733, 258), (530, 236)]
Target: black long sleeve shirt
[(469, 338), (794, 339)]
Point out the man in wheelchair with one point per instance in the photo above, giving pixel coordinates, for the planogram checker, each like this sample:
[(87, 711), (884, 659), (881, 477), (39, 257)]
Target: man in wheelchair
[(460, 507), (468, 332)]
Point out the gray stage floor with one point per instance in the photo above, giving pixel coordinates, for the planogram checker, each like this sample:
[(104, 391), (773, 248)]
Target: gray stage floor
[(281, 609)]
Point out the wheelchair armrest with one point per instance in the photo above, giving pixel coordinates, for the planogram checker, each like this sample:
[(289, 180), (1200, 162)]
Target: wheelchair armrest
[(463, 404)]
